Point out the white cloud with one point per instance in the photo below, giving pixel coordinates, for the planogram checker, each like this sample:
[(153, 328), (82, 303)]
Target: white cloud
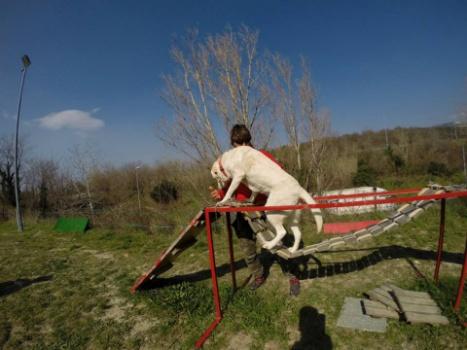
[(71, 119), (6, 115)]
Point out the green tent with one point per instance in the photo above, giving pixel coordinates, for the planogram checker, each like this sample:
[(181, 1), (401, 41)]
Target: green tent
[(71, 224)]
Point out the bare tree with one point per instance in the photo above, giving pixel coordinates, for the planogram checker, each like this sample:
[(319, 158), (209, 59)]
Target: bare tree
[(288, 103), (7, 168), (240, 90), (295, 106), (318, 131), (83, 162), (220, 81), (44, 183)]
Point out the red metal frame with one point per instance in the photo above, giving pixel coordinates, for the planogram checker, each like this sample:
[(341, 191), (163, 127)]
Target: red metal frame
[(368, 194), (215, 288), (228, 210), (231, 252), (439, 254), (460, 289)]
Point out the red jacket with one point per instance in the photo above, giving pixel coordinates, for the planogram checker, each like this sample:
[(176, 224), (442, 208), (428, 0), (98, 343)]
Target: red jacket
[(243, 192)]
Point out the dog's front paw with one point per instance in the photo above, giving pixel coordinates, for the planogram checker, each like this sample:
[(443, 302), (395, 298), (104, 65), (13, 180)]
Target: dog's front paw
[(292, 249)]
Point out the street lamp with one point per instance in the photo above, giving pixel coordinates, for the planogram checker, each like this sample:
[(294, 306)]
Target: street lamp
[(19, 219), (137, 188)]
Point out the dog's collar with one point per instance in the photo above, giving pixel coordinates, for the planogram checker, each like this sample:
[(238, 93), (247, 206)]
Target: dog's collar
[(221, 168)]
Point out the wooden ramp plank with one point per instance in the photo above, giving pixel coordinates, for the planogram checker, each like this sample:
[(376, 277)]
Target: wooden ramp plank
[(418, 308), (364, 236), (421, 309), (408, 293), (283, 253), (418, 301), (184, 240), (377, 309), (384, 297), (413, 317)]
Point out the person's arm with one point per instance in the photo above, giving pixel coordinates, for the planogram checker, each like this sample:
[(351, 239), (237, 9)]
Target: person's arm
[(270, 156), (219, 193)]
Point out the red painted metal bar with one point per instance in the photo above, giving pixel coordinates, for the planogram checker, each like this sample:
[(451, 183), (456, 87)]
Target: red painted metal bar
[(439, 254), (338, 205), (215, 289), (231, 252), (199, 343), (460, 289), (367, 194)]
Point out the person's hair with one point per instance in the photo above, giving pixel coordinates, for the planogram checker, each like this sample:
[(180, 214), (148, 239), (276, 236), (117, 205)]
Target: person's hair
[(240, 135)]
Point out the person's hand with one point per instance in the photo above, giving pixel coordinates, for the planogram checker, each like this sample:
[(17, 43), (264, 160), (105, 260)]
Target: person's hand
[(215, 193)]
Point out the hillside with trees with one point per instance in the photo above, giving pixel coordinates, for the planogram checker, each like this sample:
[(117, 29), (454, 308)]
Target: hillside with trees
[(109, 194)]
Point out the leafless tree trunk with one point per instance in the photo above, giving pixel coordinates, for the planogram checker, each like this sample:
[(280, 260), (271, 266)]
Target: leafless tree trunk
[(83, 161), (7, 168), (42, 181)]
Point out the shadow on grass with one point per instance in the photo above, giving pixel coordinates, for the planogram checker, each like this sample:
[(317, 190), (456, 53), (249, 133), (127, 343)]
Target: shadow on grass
[(10, 287), (192, 277), (312, 331), (377, 255)]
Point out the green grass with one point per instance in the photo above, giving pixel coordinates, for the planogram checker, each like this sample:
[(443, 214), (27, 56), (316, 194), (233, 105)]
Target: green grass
[(83, 300)]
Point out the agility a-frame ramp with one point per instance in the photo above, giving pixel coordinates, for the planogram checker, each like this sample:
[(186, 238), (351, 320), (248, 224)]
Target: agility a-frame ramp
[(413, 205), (184, 240)]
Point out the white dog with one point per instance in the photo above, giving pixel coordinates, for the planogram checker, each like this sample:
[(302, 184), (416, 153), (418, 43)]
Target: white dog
[(262, 175)]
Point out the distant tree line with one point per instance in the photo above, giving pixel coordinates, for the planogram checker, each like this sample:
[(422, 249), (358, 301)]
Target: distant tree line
[(48, 189)]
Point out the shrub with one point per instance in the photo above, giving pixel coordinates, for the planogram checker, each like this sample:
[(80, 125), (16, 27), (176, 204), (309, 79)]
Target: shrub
[(164, 192), (438, 169), (395, 160), (365, 175)]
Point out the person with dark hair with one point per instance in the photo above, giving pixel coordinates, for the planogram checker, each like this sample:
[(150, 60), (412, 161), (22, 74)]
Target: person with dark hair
[(240, 136)]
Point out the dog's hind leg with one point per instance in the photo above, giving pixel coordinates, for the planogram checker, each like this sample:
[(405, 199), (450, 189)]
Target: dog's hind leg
[(296, 231), (252, 197), (276, 220)]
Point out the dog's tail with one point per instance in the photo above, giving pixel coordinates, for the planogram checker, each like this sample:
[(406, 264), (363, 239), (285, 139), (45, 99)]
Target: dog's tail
[(305, 196)]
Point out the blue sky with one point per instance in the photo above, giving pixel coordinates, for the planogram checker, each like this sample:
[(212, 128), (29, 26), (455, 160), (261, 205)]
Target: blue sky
[(374, 64)]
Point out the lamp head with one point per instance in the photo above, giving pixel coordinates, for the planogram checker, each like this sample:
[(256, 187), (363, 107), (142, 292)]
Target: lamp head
[(26, 61)]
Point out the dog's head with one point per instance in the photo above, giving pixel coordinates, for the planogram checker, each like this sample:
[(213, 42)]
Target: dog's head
[(218, 173)]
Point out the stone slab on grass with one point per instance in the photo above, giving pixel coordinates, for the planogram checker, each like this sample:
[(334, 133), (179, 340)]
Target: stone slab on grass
[(352, 317)]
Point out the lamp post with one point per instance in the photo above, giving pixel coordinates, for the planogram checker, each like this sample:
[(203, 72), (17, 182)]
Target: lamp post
[(19, 219), (137, 188)]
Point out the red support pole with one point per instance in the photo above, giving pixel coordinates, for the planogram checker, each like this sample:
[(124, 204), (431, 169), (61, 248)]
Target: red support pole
[(460, 289), (231, 252), (439, 254), (215, 289)]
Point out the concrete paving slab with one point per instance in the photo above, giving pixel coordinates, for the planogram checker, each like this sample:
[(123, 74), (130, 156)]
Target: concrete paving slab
[(352, 317)]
